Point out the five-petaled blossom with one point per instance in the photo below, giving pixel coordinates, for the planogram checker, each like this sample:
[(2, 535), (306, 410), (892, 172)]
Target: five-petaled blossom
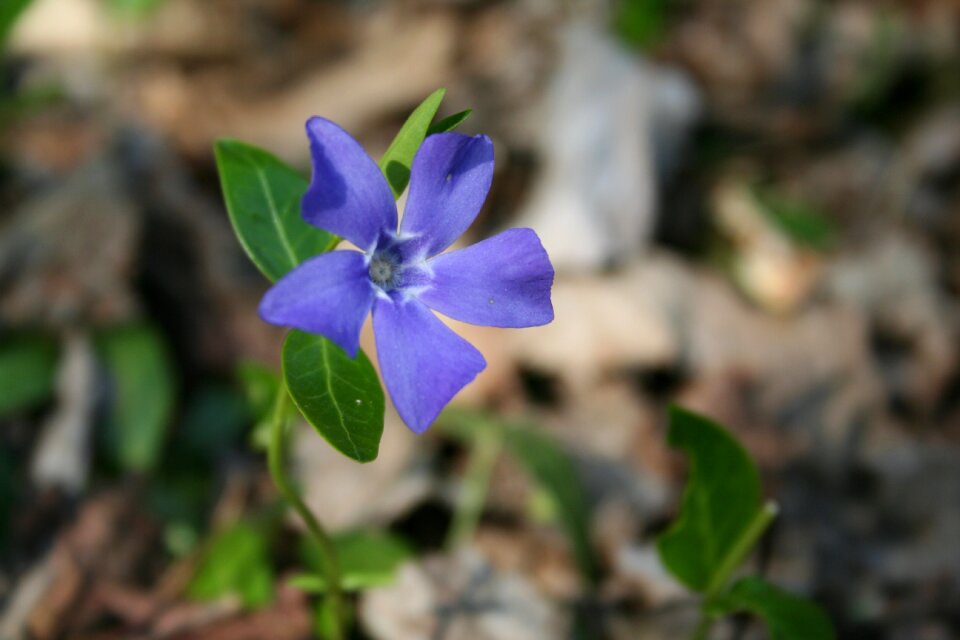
[(401, 275)]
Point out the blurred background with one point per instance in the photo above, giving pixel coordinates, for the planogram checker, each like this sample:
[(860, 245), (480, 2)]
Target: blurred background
[(754, 211)]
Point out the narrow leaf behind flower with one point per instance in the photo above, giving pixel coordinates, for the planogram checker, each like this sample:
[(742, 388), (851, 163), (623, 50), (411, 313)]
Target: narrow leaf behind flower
[(449, 123), (341, 397), (554, 472), (263, 199), (720, 501), (141, 393), (396, 161), (788, 617)]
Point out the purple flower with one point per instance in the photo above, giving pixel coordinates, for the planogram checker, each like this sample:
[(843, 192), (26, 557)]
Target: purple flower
[(503, 281)]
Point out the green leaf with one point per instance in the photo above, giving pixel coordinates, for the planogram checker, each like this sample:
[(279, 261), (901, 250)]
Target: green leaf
[(787, 616), (720, 502), (367, 559), (142, 395), (10, 10), (449, 123), (236, 561), (341, 397), (554, 472), (396, 161), (800, 222), (136, 9), (641, 23), (28, 366), (263, 201), (213, 420), (260, 386)]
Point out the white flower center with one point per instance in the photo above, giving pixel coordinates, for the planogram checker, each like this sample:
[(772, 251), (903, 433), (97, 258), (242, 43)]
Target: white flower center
[(382, 272)]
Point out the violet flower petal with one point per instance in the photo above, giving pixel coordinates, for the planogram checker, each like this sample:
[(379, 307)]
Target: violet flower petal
[(348, 196), (423, 363), (503, 281), (329, 294), (449, 180)]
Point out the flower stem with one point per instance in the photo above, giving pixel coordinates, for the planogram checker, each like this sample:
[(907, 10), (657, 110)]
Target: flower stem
[(485, 450), (733, 559), (275, 458), (738, 552)]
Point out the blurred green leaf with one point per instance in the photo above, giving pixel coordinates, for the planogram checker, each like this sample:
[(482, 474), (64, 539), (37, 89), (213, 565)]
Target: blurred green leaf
[(554, 472), (180, 538), (788, 617), (263, 200), (10, 10), (396, 161), (142, 395), (235, 561), (133, 8), (720, 502), (28, 367), (260, 386), (367, 559), (803, 224), (449, 123), (341, 397), (214, 418), (641, 23)]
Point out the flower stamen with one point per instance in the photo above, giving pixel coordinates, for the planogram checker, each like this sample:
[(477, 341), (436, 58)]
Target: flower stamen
[(382, 272)]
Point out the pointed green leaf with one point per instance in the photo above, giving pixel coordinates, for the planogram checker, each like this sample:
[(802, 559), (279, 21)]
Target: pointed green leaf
[(142, 395), (554, 472), (341, 397), (396, 161), (449, 123), (367, 559), (263, 200), (721, 500), (788, 617), (28, 366)]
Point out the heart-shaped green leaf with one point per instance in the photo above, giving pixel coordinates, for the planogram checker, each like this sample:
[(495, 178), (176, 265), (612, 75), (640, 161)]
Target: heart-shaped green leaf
[(263, 199), (396, 161), (340, 396), (721, 500), (788, 617)]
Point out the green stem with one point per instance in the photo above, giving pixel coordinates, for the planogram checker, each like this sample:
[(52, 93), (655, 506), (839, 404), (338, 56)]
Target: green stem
[(738, 552), (275, 458), (486, 448), (733, 559)]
